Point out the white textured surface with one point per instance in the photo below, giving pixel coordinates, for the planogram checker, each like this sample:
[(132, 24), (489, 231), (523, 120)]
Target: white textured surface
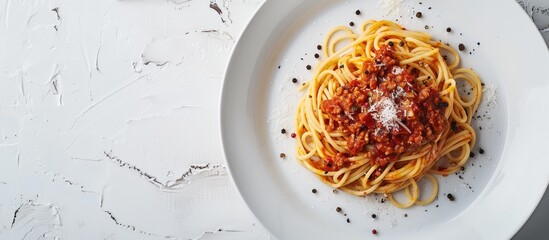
[(108, 119)]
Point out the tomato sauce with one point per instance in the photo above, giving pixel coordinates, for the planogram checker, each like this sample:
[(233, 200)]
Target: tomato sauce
[(384, 112)]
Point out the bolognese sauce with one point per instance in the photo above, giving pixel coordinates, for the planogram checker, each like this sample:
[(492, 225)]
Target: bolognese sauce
[(384, 112)]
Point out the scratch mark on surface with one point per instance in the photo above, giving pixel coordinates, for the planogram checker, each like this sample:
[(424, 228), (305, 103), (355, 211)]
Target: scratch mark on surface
[(15, 215), (98, 51), (193, 173), (86, 159), (56, 10), (58, 177), (53, 79), (30, 18), (226, 6), (55, 89), (156, 63), (95, 104), (214, 6), (222, 36), (19, 157), (217, 9), (195, 170), (22, 84), (86, 57), (73, 142), (117, 160), (101, 196), (34, 221), (133, 228)]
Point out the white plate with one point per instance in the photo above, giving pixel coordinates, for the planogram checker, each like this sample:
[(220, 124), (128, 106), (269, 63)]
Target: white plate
[(499, 189)]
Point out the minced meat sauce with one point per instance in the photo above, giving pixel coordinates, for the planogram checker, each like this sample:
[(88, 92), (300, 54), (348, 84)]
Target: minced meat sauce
[(384, 112)]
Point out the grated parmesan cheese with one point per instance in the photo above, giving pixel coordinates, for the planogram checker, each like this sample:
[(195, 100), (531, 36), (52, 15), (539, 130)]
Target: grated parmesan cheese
[(399, 9), (489, 94), (397, 70), (390, 6), (385, 112)]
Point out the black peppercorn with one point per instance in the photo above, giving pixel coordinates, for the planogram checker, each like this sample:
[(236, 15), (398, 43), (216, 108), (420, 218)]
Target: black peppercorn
[(454, 126), (442, 104)]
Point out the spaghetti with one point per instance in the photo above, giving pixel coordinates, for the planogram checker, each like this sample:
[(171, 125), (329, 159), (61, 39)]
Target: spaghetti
[(383, 111)]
